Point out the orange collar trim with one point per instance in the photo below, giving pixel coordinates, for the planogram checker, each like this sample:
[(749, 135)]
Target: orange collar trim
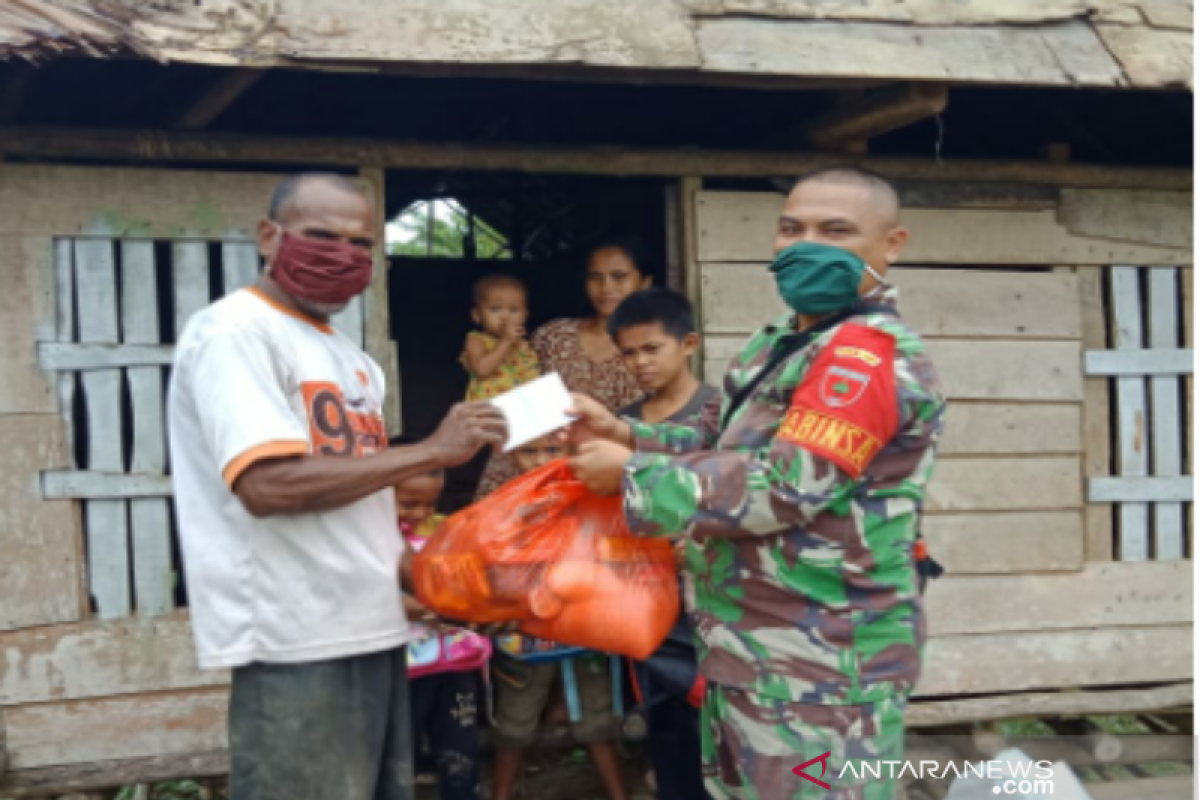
[(323, 327)]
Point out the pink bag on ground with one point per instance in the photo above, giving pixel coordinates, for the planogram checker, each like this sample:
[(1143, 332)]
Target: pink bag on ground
[(460, 651)]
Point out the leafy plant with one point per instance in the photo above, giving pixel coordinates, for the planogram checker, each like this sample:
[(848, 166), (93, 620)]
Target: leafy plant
[(443, 229)]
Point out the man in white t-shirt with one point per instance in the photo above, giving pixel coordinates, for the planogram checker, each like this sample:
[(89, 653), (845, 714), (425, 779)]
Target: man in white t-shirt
[(283, 487)]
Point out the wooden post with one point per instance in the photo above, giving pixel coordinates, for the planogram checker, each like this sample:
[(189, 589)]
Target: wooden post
[(377, 323), (1097, 425), (673, 206), (150, 530), (1167, 428), (689, 191), (107, 520), (1132, 418), (1189, 429)]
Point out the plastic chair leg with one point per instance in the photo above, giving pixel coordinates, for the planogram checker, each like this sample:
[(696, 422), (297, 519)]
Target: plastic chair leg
[(617, 687), (571, 689)]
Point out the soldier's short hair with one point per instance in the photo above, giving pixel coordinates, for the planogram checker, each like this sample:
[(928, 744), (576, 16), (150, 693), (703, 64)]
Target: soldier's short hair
[(880, 187)]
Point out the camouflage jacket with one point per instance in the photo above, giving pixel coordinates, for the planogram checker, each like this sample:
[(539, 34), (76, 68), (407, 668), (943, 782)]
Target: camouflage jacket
[(802, 510)]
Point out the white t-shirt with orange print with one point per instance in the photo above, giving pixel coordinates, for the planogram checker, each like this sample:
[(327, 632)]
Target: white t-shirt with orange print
[(255, 380)]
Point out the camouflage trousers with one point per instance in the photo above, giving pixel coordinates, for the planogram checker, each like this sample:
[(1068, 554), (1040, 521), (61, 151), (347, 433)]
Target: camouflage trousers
[(751, 744)]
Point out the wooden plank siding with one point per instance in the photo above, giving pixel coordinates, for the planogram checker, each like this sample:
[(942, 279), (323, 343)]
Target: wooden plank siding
[(1097, 416), (1167, 428), (1006, 484), (1015, 542), (1101, 596), (239, 265), (739, 297), (740, 226), (1010, 650), (107, 658), (1149, 362), (189, 720), (28, 314), (150, 527), (120, 202), (1011, 662), (1142, 217), (1016, 370), (49, 734), (1187, 311), (101, 658), (107, 520), (42, 560), (41, 570)]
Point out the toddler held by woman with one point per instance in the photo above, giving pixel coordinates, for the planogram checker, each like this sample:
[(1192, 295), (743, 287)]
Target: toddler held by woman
[(498, 357)]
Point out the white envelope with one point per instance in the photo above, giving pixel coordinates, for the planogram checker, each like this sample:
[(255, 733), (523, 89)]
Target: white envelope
[(535, 409)]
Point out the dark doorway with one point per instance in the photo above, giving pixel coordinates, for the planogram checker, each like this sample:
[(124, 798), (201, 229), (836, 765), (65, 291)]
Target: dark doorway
[(457, 228)]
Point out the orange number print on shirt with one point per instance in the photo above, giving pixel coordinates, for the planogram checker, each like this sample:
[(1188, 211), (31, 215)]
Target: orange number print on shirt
[(336, 428), (845, 407)]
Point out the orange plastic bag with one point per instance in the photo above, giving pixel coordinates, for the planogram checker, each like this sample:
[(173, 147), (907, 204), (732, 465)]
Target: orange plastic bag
[(546, 552)]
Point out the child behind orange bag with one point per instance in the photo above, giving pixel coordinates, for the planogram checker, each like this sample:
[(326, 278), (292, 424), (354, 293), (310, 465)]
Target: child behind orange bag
[(523, 690), (445, 706)]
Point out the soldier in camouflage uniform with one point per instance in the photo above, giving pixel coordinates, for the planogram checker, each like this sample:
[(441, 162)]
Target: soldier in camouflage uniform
[(801, 510)]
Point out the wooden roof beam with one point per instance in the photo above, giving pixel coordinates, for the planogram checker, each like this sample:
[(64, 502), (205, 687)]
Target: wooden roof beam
[(151, 146), (217, 99), (850, 125)]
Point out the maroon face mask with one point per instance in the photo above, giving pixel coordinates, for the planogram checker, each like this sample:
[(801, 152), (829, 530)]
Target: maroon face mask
[(321, 271)]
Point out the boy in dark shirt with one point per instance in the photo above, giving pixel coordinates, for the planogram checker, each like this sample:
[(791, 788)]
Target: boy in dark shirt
[(655, 330)]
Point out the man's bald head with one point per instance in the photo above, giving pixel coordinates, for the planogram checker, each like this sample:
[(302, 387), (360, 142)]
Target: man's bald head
[(882, 193), (291, 191), (845, 207)]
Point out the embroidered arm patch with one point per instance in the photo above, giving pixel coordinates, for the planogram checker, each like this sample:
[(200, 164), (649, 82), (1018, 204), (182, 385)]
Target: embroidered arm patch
[(845, 407)]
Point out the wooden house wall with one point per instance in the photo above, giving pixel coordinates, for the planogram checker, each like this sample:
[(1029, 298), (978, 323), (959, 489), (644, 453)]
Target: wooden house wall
[(1034, 600)]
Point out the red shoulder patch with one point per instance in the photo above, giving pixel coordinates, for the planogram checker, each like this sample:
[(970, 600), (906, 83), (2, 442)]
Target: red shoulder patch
[(845, 407)]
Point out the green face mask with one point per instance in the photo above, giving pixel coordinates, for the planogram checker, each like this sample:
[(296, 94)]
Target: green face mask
[(818, 279)]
